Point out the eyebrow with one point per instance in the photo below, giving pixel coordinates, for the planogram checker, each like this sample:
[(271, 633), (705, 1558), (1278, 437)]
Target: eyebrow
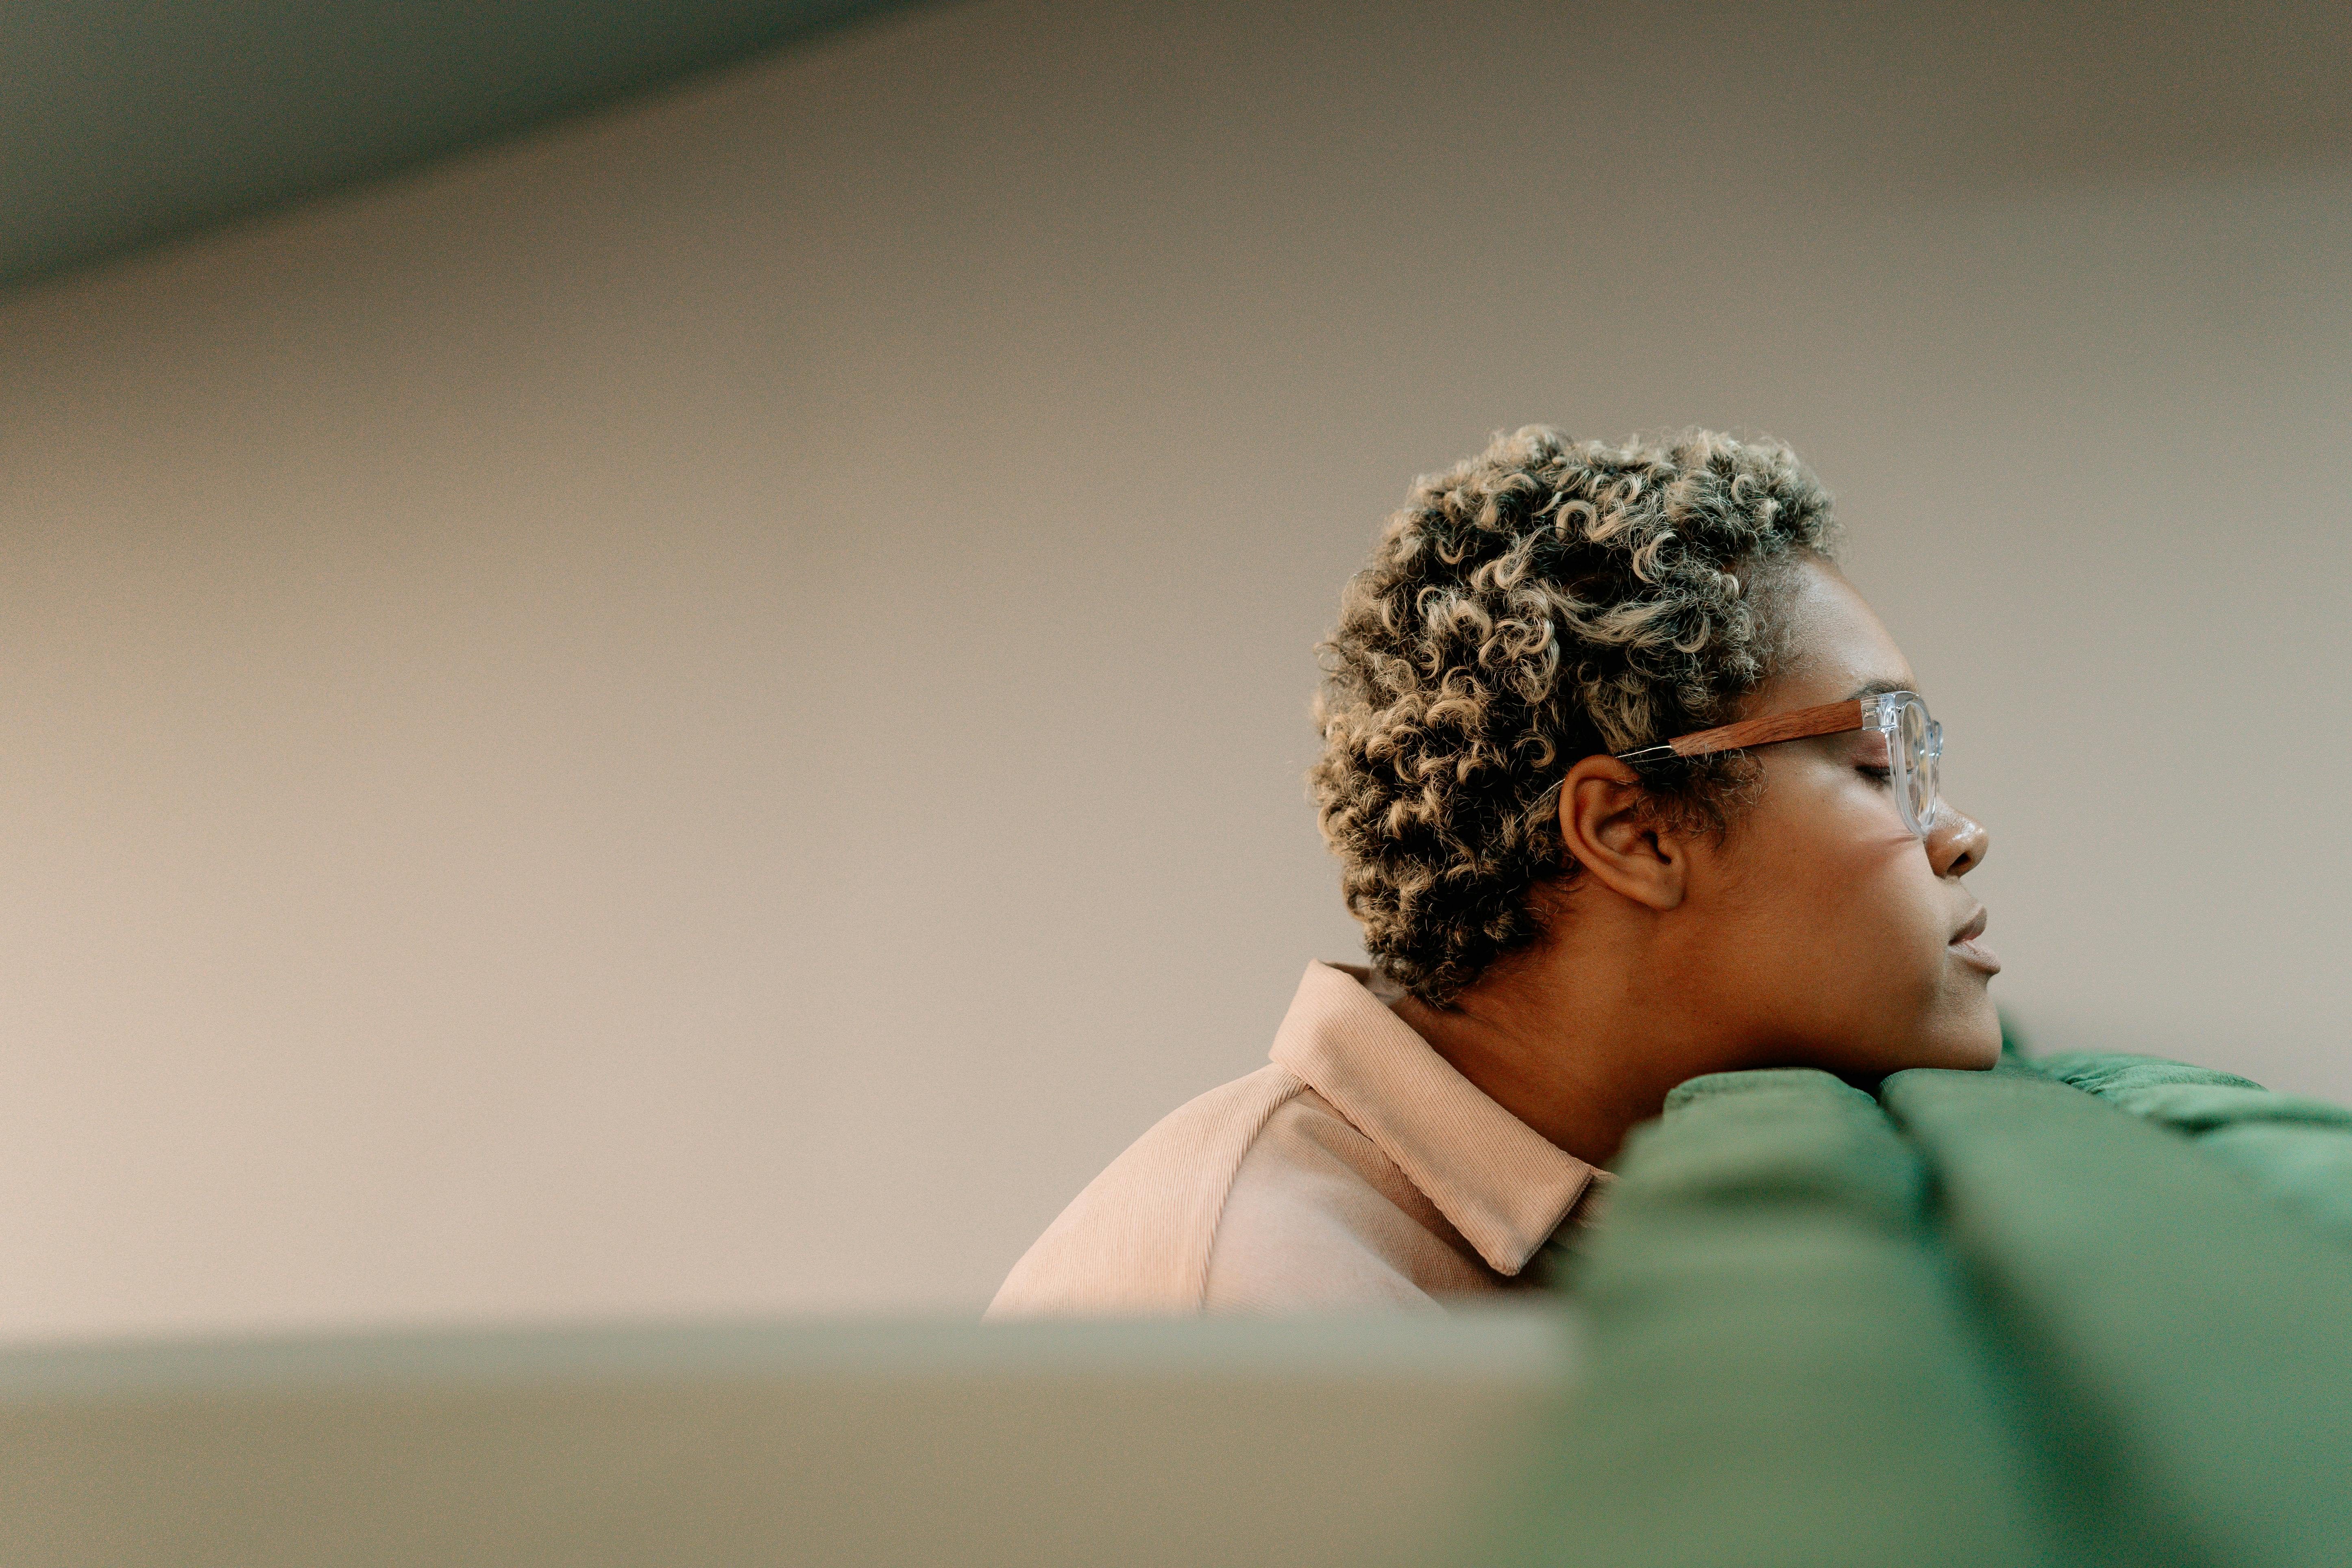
[(1876, 688)]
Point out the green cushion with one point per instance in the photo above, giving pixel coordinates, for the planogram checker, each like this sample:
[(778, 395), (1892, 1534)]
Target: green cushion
[(2182, 1344), (1985, 1318), (1780, 1370)]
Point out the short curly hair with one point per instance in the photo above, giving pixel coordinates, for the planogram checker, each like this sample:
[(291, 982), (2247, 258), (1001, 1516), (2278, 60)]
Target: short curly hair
[(1543, 600)]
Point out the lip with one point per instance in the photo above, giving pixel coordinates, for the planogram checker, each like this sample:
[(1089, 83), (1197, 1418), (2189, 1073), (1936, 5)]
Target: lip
[(1965, 946)]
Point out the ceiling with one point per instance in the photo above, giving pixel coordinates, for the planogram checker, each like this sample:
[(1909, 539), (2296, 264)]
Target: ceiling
[(126, 123)]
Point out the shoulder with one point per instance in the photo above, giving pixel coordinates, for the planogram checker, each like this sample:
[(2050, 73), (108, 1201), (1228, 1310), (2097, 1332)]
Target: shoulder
[(1320, 1217), (1136, 1239)]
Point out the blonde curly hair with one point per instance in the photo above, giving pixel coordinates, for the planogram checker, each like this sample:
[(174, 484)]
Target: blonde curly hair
[(1543, 600)]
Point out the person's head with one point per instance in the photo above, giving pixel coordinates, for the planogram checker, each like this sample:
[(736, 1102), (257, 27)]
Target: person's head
[(1548, 603)]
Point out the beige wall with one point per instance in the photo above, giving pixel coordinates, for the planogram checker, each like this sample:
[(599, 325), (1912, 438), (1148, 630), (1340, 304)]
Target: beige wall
[(705, 713)]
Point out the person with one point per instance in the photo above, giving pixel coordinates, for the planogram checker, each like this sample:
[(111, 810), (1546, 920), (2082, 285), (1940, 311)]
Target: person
[(1627, 784)]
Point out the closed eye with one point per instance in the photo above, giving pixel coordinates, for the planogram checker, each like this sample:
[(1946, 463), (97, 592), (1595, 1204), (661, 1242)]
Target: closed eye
[(1881, 774)]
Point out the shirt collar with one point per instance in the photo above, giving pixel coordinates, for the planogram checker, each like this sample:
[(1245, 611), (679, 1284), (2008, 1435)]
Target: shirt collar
[(1503, 1185)]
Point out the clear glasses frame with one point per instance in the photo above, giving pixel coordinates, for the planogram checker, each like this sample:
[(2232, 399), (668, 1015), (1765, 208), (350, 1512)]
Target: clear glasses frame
[(1915, 744)]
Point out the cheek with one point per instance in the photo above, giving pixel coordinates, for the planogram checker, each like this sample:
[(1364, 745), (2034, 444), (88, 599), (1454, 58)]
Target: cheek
[(1906, 1001), (1896, 923), (1832, 948), (1844, 935)]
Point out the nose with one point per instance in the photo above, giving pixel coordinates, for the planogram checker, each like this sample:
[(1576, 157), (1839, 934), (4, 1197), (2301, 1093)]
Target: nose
[(1958, 842)]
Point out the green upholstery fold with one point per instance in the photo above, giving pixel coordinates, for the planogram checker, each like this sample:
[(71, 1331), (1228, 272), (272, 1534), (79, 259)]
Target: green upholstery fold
[(2297, 1150), (1779, 1371), (2109, 1074)]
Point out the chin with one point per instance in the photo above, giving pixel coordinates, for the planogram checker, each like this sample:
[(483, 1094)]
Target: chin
[(1970, 1041)]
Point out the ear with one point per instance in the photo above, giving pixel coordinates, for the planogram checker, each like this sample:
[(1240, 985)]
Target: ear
[(1607, 822)]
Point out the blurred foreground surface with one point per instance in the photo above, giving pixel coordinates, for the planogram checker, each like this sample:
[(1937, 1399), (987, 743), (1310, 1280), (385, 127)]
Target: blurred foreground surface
[(1356, 1440), (2084, 1311)]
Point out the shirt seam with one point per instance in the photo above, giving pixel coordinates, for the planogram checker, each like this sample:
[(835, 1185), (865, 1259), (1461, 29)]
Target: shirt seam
[(1233, 1172)]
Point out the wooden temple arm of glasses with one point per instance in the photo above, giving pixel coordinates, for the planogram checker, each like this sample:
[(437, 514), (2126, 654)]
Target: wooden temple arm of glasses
[(1829, 718)]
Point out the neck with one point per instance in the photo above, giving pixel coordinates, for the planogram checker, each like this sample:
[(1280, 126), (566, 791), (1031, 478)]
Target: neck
[(1581, 1041)]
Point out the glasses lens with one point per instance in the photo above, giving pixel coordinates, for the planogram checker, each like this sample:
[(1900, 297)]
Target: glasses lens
[(1920, 740)]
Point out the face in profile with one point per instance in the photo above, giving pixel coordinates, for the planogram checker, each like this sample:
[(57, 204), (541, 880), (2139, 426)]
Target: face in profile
[(1828, 934)]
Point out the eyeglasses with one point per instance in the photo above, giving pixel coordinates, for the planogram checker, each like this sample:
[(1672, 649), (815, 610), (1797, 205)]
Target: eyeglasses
[(1915, 744)]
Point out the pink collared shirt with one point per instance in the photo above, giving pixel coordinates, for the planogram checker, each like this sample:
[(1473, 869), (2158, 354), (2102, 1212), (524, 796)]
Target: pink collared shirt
[(1356, 1169)]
